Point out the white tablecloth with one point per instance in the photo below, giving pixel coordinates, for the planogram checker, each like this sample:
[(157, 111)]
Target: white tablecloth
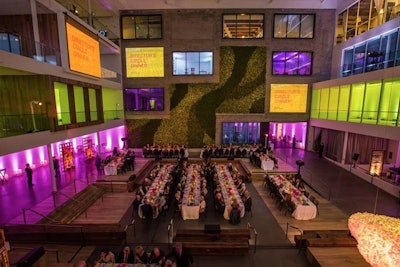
[(305, 209), (191, 193), (229, 191), (110, 170), (267, 164)]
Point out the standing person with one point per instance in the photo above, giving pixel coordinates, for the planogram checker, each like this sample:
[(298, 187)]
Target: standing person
[(321, 150), (183, 257), (29, 173), (56, 165)]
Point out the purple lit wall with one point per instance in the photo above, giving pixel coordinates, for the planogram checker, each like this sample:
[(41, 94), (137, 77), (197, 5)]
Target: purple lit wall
[(144, 99), (296, 129), (37, 157)]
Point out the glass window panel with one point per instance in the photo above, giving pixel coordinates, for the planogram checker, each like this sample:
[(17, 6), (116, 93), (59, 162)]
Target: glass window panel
[(333, 102), (128, 27), (4, 44), (351, 21), (315, 104), (206, 63), (93, 105), (359, 59), (356, 102), (341, 27), (280, 23), (374, 55), (363, 16), (141, 27), (389, 103), (371, 102), (155, 31), (347, 62), (243, 26), (192, 63), (307, 26), (14, 44), (324, 102), (293, 26), (79, 104), (62, 103), (343, 106), (144, 99), (291, 63), (240, 132)]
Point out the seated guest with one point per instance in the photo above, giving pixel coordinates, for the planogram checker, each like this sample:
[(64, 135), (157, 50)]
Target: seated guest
[(182, 256), (141, 255), (157, 256), (106, 256), (219, 203), (169, 263), (126, 256), (202, 204), (234, 215), (302, 187), (178, 201)]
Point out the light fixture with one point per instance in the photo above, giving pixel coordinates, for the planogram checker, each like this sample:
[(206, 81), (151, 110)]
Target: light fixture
[(32, 103)]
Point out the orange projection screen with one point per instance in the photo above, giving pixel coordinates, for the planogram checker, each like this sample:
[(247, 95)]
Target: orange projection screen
[(83, 52), (288, 97), (144, 62)]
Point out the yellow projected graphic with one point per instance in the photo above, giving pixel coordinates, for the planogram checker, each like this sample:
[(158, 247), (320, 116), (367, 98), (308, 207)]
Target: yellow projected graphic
[(288, 98), (83, 52), (144, 62)]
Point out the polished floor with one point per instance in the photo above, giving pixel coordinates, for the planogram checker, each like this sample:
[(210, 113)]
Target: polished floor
[(346, 194)]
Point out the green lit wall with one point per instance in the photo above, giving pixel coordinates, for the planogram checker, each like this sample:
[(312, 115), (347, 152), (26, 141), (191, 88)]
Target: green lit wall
[(372, 102), (79, 104), (93, 104), (62, 103), (112, 103)]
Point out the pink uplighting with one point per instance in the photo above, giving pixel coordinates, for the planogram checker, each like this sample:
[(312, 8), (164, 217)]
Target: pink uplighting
[(290, 130)]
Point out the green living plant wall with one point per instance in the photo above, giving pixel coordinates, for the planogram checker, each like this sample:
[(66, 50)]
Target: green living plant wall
[(241, 89)]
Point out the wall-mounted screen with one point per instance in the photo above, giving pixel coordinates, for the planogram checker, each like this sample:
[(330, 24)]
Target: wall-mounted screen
[(83, 50), (144, 62), (144, 99), (288, 98)]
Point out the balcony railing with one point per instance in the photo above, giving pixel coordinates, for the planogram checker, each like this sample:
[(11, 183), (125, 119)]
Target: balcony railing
[(12, 125)]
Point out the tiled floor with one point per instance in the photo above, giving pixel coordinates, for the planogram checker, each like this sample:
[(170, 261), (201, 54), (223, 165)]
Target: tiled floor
[(347, 194)]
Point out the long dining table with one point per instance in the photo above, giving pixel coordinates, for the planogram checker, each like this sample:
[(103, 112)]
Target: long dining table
[(157, 187), (191, 193), (305, 209), (229, 191)]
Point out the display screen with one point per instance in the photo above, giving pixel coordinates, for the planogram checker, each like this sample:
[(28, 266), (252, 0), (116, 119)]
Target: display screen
[(83, 51), (288, 98), (144, 62)]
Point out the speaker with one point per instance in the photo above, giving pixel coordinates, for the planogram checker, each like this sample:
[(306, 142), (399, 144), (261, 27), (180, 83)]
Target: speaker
[(31, 258), (355, 156), (212, 228)]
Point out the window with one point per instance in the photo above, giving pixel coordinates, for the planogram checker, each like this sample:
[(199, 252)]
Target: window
[(141, 27), (299, 26), (240, 132), (192, 63), (144, 99), (10, 43), (291, 63), (250, 26)]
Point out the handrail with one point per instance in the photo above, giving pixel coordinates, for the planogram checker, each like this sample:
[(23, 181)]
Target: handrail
[(86, 183), (132, 223), (38, 213), (296, 228), (249, 226), (170, 230), (56, 251)]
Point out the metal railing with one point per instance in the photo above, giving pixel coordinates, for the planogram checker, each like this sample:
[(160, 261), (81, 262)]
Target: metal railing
[(38, 213), (251, 227), (296, 228)]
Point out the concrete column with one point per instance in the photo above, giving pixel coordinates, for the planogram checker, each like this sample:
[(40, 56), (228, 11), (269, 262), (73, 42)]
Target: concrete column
[(98, 143), (344, 149), (35, 26)]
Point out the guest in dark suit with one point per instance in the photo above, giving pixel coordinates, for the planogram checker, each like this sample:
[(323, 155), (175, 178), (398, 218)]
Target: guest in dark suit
[(126, 256), (182, 255), (29, 173)]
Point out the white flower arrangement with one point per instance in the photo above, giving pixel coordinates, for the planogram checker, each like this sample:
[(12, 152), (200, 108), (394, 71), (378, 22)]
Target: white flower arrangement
[(378, 238)]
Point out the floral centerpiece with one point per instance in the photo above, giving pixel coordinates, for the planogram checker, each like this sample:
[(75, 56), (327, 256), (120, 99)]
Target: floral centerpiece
[(378, 238)]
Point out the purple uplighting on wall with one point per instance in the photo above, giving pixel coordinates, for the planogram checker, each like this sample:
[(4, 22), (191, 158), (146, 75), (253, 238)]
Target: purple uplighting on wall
[(292, 63), (287, 131)]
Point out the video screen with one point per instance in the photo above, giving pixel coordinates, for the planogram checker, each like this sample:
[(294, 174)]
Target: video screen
[(288, 98), (144, 62)]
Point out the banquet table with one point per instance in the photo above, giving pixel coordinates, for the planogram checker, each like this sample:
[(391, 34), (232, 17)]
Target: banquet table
[(229, 191), (191, 194), (157, 187), (305, 209), (267, 164), (110, 169)]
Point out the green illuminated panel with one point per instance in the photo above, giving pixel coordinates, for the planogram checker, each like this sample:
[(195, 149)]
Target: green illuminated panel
[(315, 104), (371, 102), (389, 106), (356, 102), (93, 105), (62, 103), (79, 104), (333, 102), (343, 106), (112, 103), (324, 100)]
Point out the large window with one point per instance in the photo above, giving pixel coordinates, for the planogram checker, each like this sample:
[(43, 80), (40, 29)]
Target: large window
[(10, 43), (294, 26), (192, 63), (291, 63), (144, 99), (240, 132), (141, 27), (240, 26)]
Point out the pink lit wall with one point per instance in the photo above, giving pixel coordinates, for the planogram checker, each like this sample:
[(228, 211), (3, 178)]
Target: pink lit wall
[(296, 129), (112, 138)]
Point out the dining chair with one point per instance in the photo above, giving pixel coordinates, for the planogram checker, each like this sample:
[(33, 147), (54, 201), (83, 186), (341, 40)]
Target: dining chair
[(312, 198), (316, 203)]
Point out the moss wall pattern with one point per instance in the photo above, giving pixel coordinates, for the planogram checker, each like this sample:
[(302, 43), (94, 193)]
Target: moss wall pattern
[(241, 89)]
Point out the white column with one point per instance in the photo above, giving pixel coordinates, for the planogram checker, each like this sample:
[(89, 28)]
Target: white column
[(344, 149), (35, 25), (99, 144), (51, 163)]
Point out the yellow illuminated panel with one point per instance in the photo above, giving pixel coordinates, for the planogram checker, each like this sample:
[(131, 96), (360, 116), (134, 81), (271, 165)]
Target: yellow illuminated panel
[(144, 62), (288, 97), (83, 52)]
